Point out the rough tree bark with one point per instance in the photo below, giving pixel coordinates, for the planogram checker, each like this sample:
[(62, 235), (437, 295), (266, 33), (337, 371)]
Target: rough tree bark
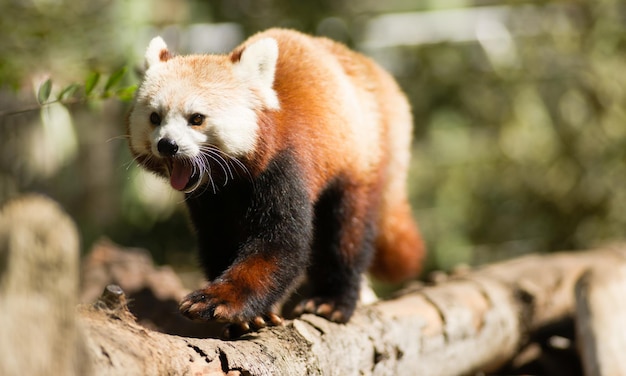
[(472, 322), (601, 319)]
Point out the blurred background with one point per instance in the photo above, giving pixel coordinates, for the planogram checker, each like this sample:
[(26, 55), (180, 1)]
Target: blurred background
[(519, 106)]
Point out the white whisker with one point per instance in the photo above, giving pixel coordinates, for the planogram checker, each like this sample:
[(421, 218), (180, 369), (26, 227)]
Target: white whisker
[(217, 159), (135, 160), (120, 137), (206, 168), (230, 167)]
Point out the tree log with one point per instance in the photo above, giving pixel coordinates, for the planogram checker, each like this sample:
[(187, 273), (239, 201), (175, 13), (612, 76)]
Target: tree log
[(472, 322), (601, 319)]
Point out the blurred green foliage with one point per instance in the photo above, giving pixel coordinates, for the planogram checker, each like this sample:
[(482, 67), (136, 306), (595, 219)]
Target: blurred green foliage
[(68, 37), (529, 154), (520, 136)]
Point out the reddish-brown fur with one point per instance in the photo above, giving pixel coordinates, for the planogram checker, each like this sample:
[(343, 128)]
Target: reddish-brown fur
[(306, 124), (165, 55), (325, 161), (251, 279)]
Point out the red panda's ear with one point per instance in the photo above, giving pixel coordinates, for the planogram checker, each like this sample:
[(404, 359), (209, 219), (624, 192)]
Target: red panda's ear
[(157, 52), (257, 65)]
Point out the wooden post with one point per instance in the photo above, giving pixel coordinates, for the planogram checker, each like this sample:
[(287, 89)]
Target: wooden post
[(39, 252)]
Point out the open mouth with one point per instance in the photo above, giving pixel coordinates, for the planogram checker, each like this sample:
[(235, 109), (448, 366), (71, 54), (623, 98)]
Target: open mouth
[(183, 175)]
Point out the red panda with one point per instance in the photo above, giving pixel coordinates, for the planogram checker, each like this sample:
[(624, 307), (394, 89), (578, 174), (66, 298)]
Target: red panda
[(293, 154)]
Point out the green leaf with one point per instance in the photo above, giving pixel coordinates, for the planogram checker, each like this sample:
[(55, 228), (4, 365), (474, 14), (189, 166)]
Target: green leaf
[(68, 91), (114, 78), (44, 91), (91, 82), (127, 93)]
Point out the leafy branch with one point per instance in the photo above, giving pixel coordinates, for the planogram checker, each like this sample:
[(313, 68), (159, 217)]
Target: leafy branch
[(81, 93)]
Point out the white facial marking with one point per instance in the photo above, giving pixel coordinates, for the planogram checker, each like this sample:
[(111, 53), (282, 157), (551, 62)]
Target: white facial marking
[(174, 127), (229, 110), (227, 95)]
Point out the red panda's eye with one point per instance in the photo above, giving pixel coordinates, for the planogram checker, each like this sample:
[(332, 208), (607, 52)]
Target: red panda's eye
[(196, 119), (155, 119)]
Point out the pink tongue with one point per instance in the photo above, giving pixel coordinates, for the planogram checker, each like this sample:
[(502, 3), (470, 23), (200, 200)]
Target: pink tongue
[(181, 173)]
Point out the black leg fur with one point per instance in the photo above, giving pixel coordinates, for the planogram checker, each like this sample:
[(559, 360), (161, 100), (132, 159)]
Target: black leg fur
[(335, 273), (254, 240)]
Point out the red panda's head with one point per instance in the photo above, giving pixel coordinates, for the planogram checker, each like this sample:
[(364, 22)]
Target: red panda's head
[(194, 112)]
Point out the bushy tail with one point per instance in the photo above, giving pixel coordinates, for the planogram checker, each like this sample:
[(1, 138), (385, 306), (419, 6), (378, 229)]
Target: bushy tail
[(399, 247)]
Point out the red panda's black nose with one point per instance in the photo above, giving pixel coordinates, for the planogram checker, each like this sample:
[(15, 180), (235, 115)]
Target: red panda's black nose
[(167, 147)]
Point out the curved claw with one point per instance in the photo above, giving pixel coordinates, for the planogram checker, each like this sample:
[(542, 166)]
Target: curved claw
[(237, 329), (326, 308), (200, 306)]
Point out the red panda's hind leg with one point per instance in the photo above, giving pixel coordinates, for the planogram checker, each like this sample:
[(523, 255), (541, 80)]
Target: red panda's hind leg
[(342, 250)]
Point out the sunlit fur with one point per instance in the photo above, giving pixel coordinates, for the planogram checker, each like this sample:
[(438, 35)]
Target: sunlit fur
[(228, 95), (302, 161)]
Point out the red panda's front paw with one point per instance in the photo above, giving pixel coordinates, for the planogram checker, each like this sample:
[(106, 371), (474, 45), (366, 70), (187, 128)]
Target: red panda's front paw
[(206, 304), (221, 302)]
